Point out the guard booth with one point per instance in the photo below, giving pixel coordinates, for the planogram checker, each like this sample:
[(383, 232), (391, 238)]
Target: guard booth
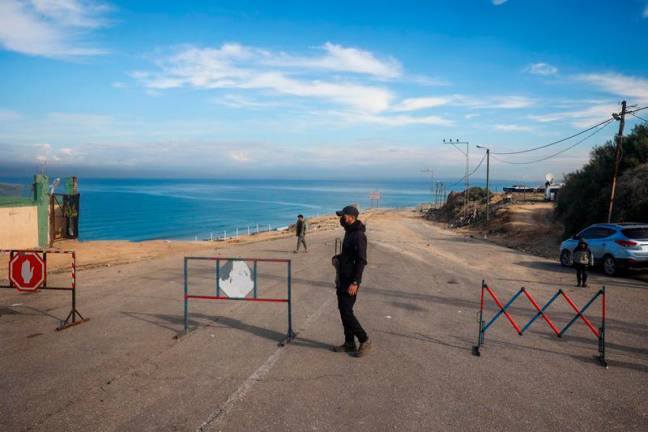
[(64, 211)]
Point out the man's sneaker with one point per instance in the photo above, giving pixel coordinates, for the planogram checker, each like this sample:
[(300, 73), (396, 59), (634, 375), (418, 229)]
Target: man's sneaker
[(344, 348), (364, 348)]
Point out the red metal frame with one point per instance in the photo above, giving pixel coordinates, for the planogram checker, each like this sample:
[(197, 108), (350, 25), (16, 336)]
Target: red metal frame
[(599, 333), (71, 318), (205, 297)]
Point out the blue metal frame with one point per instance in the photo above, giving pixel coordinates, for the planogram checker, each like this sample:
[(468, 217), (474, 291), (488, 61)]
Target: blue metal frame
[(501, 311), (218, 277), (580, 313), (290, 334), (539, 314)]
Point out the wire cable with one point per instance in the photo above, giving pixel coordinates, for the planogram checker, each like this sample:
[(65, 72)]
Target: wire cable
[(639, 117), (637, 110), (555, 142), (557, 153), (473, 172)]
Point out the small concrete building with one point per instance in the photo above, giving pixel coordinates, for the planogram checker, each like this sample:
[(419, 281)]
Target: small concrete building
[(27, 223)]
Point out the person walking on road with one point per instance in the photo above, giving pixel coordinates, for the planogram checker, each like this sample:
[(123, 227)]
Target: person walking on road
[(300, 232), (350, 264), (582, 259)]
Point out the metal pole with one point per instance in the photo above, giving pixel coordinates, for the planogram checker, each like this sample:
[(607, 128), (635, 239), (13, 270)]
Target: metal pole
[(480, 335), (487, 184), (617, 158), (217, 277), (290, 330), (186, 300), (467, 181), (255, 279), (602, 331)]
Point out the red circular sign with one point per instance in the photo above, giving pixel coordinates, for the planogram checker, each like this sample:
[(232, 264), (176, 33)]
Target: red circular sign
[(27, 271)]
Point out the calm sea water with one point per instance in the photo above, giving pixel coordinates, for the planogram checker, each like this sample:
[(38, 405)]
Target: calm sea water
[(144, 209)]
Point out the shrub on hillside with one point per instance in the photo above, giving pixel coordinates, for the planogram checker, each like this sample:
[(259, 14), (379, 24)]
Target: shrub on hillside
[(585, 197), (632, 199)]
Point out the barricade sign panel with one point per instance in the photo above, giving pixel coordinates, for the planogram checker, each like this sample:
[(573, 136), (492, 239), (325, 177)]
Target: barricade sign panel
[(599, 332), (27, 272), (237, 279)]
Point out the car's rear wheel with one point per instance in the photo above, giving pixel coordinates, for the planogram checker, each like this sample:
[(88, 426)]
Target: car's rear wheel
[(610, 265), (565, 258)]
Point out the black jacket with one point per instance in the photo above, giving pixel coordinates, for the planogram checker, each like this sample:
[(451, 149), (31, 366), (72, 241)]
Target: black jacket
[(353, 258)]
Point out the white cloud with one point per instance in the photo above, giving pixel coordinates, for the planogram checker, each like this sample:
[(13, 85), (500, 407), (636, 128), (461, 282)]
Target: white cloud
[(489, 102), (511, 128), (543, 69), (645, 12), (498, 2), (398, 120), (631, 87), (50, 28), (233, 66), (579, 118), (239, 156), (415, 104), (341, 59), (509, 102), (118, 84), (9, 115)]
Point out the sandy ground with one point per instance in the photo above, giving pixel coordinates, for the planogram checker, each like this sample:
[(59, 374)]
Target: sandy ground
[(126, 369), (528, 227)]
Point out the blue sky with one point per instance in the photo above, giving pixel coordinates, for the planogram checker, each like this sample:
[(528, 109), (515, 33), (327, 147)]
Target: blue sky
[(311, 89)]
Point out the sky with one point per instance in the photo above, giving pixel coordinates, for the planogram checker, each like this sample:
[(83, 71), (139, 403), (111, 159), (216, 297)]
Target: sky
[(313, 89)]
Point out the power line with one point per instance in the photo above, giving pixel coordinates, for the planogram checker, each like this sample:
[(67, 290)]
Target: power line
[(557, 153), (637, 110), (473, 172), (639, 117), (555, 142)]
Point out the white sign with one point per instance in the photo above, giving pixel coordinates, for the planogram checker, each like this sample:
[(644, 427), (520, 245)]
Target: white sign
[(236, 279)]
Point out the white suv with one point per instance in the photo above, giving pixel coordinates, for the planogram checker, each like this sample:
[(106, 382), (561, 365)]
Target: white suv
[(615, 246)]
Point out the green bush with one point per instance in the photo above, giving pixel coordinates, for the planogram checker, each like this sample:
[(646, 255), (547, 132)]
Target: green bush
[(584, 198)]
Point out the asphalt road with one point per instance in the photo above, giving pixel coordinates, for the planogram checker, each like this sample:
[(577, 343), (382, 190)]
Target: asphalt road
[(126, 369)]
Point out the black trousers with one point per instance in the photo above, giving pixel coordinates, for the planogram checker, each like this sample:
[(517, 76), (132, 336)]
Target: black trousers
[(581, 273), (352, 327)]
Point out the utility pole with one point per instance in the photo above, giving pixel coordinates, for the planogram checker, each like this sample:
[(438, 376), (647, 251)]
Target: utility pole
[(617, 157), (466, 176), (487, 181), (431, 172)]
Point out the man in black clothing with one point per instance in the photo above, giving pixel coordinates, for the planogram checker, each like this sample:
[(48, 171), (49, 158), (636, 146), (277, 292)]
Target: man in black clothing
[(350, 264)]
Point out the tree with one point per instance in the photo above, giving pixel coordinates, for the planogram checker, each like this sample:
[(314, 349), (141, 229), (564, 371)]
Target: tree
[(584, 198)]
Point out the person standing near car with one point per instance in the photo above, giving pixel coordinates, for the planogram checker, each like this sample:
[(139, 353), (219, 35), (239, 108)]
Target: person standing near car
[(300, 232), (582, 259), (350, 264)]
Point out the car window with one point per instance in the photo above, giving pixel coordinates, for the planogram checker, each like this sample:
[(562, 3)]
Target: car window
[(636, 233), (589, 233), (604, 232)]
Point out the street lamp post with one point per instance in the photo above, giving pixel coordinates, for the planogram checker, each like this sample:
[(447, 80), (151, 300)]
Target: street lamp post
[(467, 175), (487, 181)]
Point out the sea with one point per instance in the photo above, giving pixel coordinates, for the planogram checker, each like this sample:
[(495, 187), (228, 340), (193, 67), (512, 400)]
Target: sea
[(201, 209)]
